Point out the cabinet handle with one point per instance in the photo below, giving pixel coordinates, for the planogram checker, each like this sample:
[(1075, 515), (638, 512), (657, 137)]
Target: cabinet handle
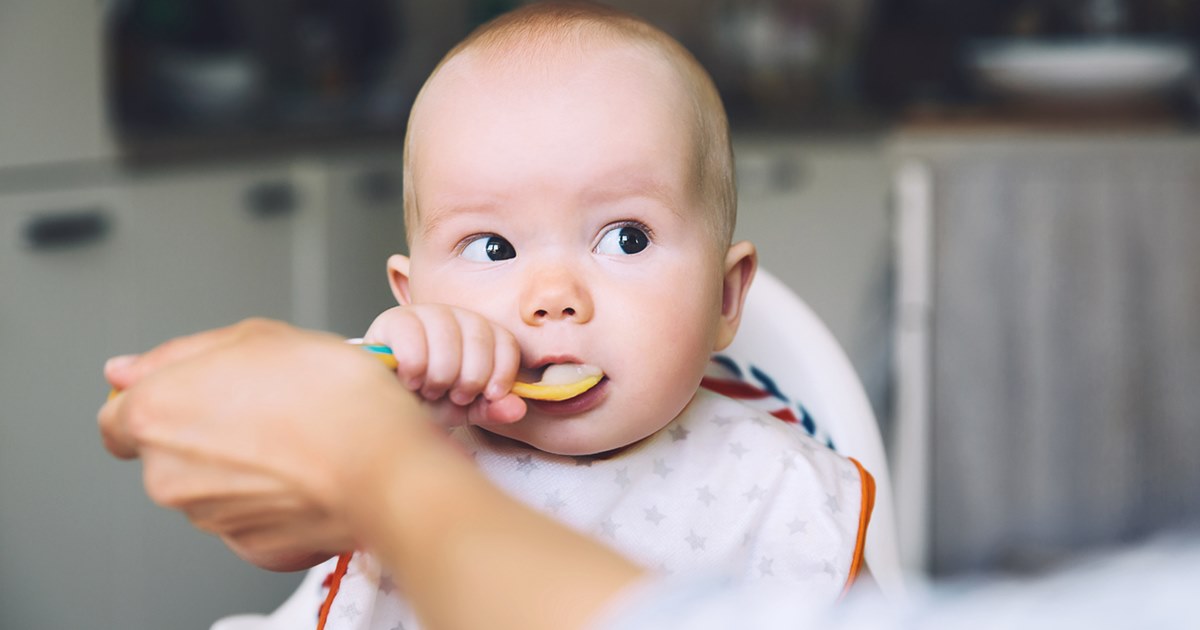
[(61, 229), (271, 199), (379, 187)]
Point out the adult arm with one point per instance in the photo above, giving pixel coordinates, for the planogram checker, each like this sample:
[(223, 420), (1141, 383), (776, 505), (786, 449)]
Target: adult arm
[(280, 438)]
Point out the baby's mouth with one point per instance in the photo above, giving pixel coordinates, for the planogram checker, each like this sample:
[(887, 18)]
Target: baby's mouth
[(559, 381)]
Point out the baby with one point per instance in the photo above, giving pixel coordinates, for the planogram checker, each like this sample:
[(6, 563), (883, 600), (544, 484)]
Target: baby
[(570, 202)]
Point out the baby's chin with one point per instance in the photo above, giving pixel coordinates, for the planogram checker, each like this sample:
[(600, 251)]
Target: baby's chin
[(574, 441)]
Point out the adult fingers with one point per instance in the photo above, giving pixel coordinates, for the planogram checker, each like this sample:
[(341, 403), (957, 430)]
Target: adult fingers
[(114, 429), (120, 422), (124, 371)]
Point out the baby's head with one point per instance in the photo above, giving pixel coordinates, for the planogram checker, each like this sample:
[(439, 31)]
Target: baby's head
[(557, 37), (569, 176)]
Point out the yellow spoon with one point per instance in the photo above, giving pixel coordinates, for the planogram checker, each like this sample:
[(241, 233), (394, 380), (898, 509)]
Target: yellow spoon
[(585, 377), (560, 388)]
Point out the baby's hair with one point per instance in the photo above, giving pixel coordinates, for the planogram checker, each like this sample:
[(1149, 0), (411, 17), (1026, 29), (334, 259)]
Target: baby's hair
[(525, 35)]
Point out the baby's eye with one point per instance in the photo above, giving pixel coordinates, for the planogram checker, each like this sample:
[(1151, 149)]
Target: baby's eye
[(488, 248), (623, 239)]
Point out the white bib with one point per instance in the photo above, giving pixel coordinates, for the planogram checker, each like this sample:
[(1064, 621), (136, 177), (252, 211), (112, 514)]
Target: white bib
[(722, 488)]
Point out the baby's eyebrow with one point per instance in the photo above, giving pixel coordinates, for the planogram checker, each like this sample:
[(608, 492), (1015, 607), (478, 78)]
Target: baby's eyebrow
[(627, 185), (433, 218)]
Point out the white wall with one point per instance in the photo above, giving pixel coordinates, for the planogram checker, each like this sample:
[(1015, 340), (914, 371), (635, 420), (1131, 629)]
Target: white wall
[(51, 91)]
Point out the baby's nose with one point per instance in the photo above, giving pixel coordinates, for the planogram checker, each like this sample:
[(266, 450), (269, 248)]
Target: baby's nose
[(568, 311), (555, 294)]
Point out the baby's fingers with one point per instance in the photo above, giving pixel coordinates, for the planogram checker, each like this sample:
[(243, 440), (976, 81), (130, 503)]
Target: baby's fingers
[(401, 330), (506, 410), (481, 411), (477, 356), (506, 363), (443, 337)]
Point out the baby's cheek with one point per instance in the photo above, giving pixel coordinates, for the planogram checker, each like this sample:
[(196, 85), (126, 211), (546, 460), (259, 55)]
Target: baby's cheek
[(667, 390)]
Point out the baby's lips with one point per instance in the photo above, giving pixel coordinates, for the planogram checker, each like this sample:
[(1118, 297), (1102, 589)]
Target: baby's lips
[(561, 381)]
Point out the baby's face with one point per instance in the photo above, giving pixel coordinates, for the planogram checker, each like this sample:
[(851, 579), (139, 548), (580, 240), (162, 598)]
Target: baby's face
[(562, 205)]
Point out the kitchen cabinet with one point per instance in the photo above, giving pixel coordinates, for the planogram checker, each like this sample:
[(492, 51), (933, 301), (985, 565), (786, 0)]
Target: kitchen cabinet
[(70, 518), (117, 267), (1048, 343), (98, 260), (210, 248), (365, 224)]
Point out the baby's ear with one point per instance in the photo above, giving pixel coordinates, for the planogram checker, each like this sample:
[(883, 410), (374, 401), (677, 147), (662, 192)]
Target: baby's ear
[(398, 278), (741, 261)]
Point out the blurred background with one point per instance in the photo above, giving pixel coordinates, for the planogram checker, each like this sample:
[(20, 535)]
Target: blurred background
[(993, 205)]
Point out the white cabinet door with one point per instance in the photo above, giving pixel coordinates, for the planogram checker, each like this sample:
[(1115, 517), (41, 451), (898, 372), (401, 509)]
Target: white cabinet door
[(63, 502), (213, 248), (84, 275)]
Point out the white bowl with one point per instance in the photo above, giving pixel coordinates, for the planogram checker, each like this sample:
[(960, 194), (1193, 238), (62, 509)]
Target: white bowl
[(1104, 69)]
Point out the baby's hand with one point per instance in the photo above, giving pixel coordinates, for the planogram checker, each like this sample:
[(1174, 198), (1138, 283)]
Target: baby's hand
[(458, 361)]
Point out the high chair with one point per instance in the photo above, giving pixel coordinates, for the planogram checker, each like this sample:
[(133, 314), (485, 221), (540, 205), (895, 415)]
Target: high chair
[(783, 348), (794, 356)]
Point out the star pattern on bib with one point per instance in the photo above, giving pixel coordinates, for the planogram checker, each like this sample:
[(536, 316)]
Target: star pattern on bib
[(662, 469), (754, 494), (766, 566), (526, 464), (554, 503), (828, 569), (386, 584), (724, 489), (608, 528), (622, 477), (722, 420)]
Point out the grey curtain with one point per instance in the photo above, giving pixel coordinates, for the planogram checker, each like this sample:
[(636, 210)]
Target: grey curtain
[(1065, 346)]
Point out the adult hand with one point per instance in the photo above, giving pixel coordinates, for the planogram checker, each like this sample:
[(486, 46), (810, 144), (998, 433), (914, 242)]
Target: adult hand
[(258, 432), (289, 442)]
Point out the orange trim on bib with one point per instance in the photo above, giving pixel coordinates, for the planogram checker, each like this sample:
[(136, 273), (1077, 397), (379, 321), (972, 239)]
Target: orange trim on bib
[(864, 519), (335, 582)]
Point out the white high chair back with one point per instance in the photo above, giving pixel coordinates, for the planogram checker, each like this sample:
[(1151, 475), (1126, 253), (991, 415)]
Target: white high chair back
[(781, 336)]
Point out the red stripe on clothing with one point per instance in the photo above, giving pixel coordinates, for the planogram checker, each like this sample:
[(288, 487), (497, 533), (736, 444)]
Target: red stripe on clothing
[(733, 389), (335, 582), (785, 414)]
